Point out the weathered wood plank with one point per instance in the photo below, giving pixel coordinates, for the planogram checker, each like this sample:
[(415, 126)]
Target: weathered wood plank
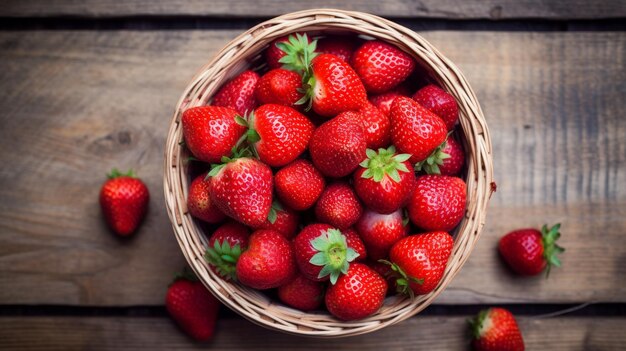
[(428, 333), (473, 9), (76, 104)]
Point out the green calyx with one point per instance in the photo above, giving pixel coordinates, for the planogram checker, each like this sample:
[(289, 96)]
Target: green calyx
[(273, 215), (186, 274), (403, 280), (224, 258), (244, 147), (116, 173), (476, 323), (550, 248), (431, 164), (384, 163), (299, 54), (333, 254)]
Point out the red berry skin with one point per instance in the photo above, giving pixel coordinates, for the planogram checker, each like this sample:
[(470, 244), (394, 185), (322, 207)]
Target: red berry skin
[(383, 101), (243, 191), (301, 293), (440, 103), (269, 261), (338, 206), (452, 166), (338, 146), (376, 127), (233, 233), (497, 331), (380, 232), (381, 66), (385, 271), (342, 47), (354, 241), (286, 223), (284, 132), (238, 94), (273, 54), (299, 185), (279, 86), (385, 196), (124, 203), (414, 129), (337, 87), (438, 202), (357, 294), (423, 256), (193, 308), (523, 250), (304, 250), (211, 132), (199, 201)]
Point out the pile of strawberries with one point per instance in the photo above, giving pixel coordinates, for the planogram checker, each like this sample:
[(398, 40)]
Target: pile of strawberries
[(334, 184)]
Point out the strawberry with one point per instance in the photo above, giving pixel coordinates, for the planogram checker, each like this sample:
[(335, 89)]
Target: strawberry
[(299, 185), (225, 247), (354, 241), (414, 129), (238, 94), (279, 133), (279, 86), (447, 159), (268, 262), (529, 251), (302, 293), (338, 206), (440, 103), (385, 271), (380, 231), (199, 201), (438, 202), (385, 180), (193, 308), (376, 126), (322, 252), (242, 189), (124, 202), (342, 47), (283, 220), (418, 261), (275, 52), (211, 132), (383, 101), (381, 66), (495, 329), (357, 294), (338, 146)]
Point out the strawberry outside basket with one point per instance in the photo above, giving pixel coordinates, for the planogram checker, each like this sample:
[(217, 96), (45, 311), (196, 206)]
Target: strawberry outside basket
[(244, 52)]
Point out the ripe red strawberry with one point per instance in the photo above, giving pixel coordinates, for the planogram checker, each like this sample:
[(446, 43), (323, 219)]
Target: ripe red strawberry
[(302, 293), (342, 47), (279, 86), (124, 202), (299, 185), (211, 132), (385, 180), (338, 206), (275, 52), (376, 127), (440, 103), (338, 146), (357, 294), (380, 232), (242, 189), (414, 129), (383, 101), (438, 202), (193, 308), (495, 329), (529, 251), (225, 247), (354, 241), (448, 159), (269, 261), (199, 201), (419, 261), (381, 66), (385, 271), (279, 133), (283, 220), (322, 252), (238, 94)]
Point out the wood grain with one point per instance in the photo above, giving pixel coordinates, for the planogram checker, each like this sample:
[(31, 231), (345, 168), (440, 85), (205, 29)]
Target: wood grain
[(76, 104), (471, 9), (427, 333)]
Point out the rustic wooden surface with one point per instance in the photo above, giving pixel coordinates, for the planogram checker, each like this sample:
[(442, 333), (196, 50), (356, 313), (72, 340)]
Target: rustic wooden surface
[(448, 9), (424, 333)]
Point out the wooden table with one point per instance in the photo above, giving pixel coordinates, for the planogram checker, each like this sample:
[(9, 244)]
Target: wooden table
[(89, 85)]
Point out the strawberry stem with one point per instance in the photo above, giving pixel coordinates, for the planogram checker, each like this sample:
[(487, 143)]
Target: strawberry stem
[(224, 258), (550, 247), (333, 254), (431, 164), (384, 164), (116, 173), (403, 280)]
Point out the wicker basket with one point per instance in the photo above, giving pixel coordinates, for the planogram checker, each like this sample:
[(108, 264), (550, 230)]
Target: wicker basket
[(242, 53)]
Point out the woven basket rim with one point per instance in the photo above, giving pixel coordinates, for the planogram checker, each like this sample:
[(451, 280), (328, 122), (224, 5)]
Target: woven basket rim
[(238, 55)]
